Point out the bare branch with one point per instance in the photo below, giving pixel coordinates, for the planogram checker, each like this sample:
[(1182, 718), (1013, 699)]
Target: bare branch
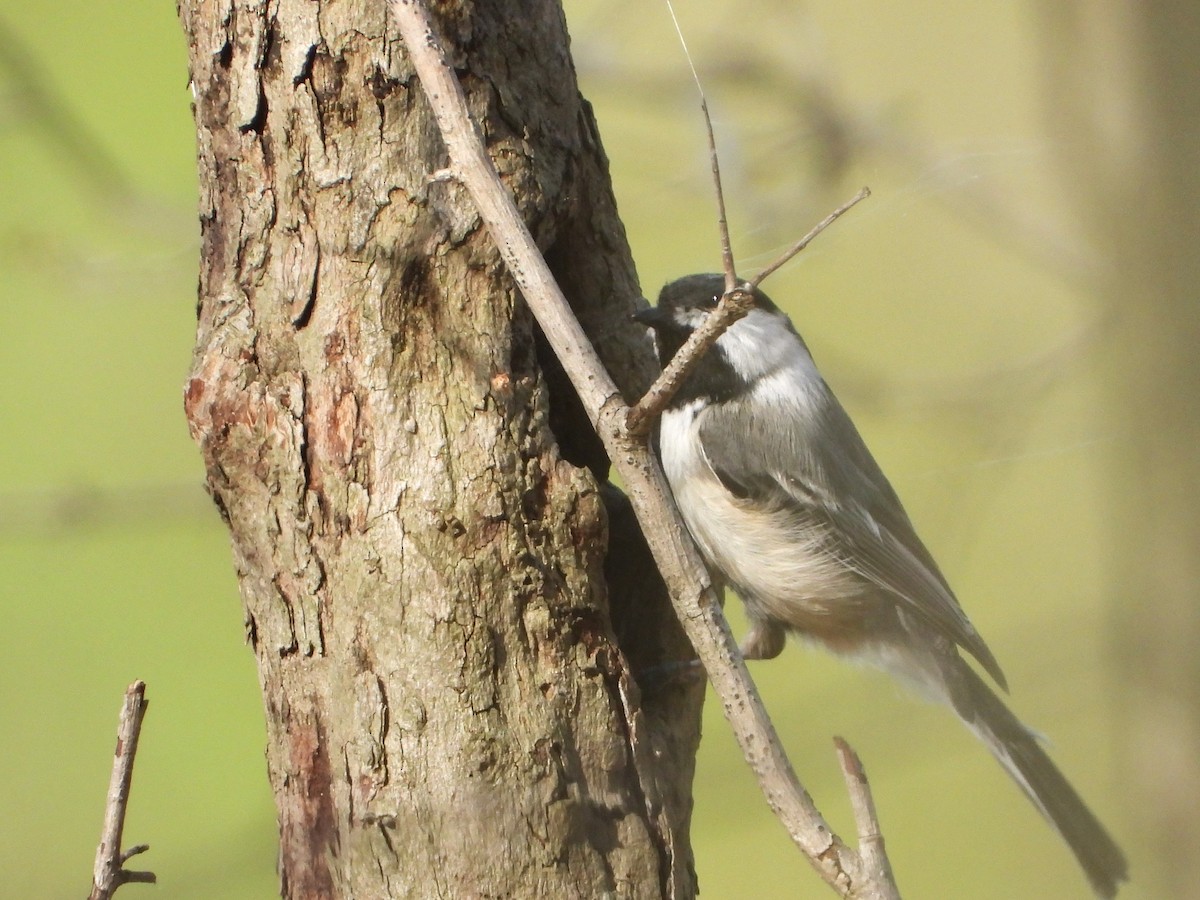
[(727, 263), (109, 872), (808, 238), (696, 603), (714, 161), (870, 835), (734, 305)]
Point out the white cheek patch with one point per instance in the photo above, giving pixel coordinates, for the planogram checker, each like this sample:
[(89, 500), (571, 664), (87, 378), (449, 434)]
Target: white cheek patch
[(691, 318), (761, 344)]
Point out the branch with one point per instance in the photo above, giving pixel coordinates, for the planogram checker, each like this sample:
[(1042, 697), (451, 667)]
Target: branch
[(722, 219), (731, 279), (758, 279), (109, 872), (696, 602), (870, 835), (735, 303)]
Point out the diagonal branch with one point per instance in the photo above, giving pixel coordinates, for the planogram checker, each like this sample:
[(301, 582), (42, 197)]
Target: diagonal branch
[(695, 600), (110, 872), (735, 303), (758, 279)]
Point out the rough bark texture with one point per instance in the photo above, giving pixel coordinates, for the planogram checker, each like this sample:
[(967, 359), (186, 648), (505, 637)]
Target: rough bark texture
[(417, 510)]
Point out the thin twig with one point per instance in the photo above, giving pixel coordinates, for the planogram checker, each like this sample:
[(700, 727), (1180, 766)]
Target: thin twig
[(727, 262), (696, 603), (808, 238), (870, 835), (737, 300), (109, 872), (734, 305)]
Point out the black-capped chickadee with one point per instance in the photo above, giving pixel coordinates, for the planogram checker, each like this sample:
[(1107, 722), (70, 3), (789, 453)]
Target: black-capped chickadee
[(788, 506)]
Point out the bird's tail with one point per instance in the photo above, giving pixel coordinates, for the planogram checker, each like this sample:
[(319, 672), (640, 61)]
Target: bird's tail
[(1018, 750)]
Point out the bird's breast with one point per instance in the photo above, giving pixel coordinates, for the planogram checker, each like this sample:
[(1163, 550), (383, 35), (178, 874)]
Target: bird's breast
[(777, 559)]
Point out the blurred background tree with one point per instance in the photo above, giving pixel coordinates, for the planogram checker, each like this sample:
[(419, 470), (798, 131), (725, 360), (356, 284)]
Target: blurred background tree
[(1125, 83), (1011, 320)]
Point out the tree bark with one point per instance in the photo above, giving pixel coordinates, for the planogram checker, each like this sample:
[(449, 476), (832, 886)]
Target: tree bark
[(418, 509)]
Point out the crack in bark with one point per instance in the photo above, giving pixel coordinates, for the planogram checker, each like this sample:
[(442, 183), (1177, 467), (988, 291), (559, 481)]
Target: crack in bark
[(346, 340)]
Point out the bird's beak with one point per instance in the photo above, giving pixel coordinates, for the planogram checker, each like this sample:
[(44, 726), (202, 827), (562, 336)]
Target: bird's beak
[(651, 316)]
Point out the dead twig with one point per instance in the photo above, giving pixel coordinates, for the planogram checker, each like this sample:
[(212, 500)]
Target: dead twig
[(695, 600), (727, 262), (758, 279), (734, 304), (862, 804), (737, 300), (109, 872)]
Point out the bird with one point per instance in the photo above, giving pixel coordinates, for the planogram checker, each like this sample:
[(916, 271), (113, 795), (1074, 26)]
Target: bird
[(789, 508)]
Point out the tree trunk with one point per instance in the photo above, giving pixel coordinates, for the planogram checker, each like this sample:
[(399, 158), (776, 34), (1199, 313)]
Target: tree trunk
[(418, 510), (1124, 78)]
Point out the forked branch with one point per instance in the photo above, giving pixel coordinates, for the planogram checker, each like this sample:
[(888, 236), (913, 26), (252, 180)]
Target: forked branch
[(738, 298), (110, 872), (735, 303), (692, 594)]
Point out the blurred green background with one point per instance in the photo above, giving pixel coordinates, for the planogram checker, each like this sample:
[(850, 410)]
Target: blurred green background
[(952, 312)]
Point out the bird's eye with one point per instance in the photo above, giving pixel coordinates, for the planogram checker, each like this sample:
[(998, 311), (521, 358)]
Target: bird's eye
[(709, 302)]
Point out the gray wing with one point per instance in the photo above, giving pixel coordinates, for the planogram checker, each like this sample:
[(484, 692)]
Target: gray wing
[(773, 458)]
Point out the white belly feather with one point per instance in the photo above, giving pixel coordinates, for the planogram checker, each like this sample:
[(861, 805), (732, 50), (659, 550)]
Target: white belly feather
[(778, 564)]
